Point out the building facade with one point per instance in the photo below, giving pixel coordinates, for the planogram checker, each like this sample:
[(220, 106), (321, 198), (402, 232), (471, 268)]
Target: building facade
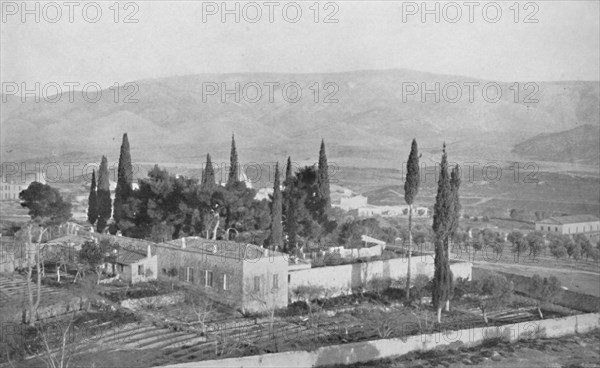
[(135, 266), (570, 225), (244, 276)]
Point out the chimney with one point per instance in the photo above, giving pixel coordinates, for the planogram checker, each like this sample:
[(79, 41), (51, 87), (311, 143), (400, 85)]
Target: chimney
[(149, 251), (183, 243)]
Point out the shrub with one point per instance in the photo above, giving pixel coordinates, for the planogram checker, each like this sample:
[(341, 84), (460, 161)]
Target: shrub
[(493, 290), (421, 285), (378, 285), (544, 290)]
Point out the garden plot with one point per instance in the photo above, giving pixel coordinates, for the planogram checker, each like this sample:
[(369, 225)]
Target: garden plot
[(13, 289)]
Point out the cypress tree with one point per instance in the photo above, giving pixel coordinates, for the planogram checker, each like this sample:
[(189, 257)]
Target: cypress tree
[(103, 196), (411, 188), (124, 179), (323, 178), (276, 236), (208, 176), (92, 205), (289, 197), (442, 218), (455, 205), (233, 164)]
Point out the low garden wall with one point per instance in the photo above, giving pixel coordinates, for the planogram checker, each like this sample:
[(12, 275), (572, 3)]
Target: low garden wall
[(154, 301), (565, 298), (53, 310), (342, 279), (388, 348)]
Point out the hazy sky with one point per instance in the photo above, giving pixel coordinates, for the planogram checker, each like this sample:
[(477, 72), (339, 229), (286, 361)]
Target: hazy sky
[(171, 38)]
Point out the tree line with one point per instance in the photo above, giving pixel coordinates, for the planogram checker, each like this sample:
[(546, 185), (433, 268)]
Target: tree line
[(166, 206)]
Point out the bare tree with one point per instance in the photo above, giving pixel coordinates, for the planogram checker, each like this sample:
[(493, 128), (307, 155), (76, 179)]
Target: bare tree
[(34, 251), (202, 307), (61, 356)]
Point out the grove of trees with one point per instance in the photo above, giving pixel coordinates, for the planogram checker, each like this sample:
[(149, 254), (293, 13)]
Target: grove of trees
[(165, 206)]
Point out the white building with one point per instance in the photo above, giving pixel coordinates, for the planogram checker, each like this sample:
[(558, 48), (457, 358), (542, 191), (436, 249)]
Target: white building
[(570, 225), (11, 187), (358, 204)]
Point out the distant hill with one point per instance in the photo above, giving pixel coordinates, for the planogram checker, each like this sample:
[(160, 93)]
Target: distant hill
[(369, 126), (580, 144)]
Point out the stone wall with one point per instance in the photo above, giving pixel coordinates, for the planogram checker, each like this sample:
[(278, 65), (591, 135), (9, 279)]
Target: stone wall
[(57, 309), (155, 301), (343, 279), (389, 348)]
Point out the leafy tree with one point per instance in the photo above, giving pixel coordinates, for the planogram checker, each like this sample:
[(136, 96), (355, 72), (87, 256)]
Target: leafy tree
[(307, 294), (411, 188), (124, 179), (92, 205), (487, 238), (559, 251), (544, 290), (46, 205), (208, 183), (477, 243), (103, 196), (313, 221), (442, 226), (585, 245), (455, 199), (290, 205), (93, 256), (493, 290), (518, 242), (535, 242), (233, 164), (557, 247), (420, 286), (276, 237), (573, 247), (46, 208), (323, 178)]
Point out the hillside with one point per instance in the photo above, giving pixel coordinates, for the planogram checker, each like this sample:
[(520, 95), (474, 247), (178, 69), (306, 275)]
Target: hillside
[(581, 144), (370, 126)]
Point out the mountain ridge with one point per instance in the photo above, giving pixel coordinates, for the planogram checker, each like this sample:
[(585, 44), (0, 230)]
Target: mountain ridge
[(370, 125)]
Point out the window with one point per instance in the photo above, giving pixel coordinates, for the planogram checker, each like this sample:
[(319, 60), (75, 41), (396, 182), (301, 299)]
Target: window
[(289, 278), (256, 284), (208, 279), (190, 274), (275, 281), (140, 270), (555, 229), (225, 282)]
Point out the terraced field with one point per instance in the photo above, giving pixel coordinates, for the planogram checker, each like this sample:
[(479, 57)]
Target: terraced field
[(13, 295)]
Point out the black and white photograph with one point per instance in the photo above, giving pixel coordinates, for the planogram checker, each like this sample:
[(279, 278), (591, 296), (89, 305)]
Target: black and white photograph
[(308, 183)]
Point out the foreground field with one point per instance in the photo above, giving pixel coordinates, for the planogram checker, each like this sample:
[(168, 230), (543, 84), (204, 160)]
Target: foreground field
[(571, 351)]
